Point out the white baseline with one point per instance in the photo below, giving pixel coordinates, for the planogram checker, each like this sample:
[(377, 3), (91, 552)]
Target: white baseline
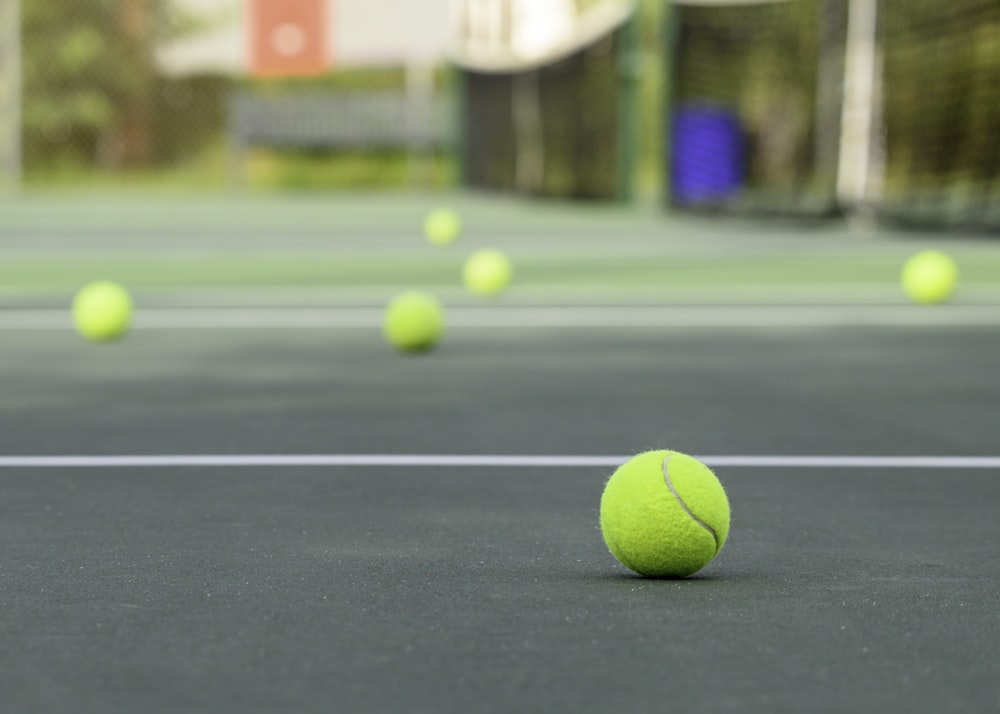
[(500, 461), (540, 317)]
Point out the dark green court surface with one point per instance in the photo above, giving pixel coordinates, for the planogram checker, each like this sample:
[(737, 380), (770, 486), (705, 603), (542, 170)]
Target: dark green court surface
[(409, 588)]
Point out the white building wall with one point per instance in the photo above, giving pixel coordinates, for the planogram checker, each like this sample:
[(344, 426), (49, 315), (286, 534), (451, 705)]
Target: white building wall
[(361, 33)]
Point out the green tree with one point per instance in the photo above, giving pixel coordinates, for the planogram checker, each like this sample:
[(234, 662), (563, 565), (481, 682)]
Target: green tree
[(89, 80)]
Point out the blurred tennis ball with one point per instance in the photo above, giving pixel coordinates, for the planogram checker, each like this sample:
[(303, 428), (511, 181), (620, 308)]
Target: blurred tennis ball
[(442, 226), (929, 277), (487, 272), (414, 322), (102, 311)]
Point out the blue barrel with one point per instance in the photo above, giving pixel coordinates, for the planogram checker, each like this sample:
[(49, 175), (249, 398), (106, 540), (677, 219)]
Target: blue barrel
[(708, 152)]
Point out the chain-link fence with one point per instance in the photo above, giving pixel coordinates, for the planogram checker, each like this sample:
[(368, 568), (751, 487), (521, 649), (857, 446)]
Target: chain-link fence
[(941, 79), (804, 106), (755, 104), (548, 97), (550, 131)]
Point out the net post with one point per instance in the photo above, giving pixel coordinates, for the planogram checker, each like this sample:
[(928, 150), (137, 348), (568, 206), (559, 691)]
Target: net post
[(10, 97)]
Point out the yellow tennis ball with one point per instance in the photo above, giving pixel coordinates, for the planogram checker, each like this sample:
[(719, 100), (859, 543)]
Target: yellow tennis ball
[(102, 311), (929, 277), (664, 514), (414, 322), (442, 226), (487, 272)]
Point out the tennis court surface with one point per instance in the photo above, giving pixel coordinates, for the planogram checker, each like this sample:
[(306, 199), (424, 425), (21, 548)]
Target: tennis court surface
[(253, 504)]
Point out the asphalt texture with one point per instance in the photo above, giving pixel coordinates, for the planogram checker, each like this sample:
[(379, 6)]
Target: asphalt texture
[(414, 589)]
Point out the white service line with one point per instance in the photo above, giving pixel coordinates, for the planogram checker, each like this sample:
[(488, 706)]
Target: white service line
[(516, 461), (535, 317)]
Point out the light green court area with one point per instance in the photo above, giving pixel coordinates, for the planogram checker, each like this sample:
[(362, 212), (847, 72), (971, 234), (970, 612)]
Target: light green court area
[(350, 245)]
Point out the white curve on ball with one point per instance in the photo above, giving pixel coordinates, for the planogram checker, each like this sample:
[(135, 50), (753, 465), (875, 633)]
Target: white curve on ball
[(670, 485)]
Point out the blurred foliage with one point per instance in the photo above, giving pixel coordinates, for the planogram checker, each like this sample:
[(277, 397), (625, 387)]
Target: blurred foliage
[(318, 170), (81, 68), (94, 105), (347, 79), (92, 96)]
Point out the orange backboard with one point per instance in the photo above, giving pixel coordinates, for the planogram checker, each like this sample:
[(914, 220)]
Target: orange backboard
[(288, 37)]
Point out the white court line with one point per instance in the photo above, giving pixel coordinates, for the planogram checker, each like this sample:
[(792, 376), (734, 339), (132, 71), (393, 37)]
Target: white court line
[(535, 317), (515, 461)]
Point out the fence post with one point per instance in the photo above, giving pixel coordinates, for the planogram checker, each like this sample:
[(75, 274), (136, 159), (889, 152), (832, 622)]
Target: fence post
[(10, 96)]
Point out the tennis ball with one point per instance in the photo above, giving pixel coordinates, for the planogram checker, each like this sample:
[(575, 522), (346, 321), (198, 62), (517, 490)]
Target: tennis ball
[(102, 311), (664, 514), (442, 226), (487, 272), (413, 322), (929, 277)]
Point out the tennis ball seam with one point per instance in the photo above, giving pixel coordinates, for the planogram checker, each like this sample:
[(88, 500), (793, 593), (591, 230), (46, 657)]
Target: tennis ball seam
[(688, 511)]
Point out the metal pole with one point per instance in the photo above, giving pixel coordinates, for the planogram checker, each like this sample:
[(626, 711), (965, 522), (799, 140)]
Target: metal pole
[(10, 96), (855, 180)]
